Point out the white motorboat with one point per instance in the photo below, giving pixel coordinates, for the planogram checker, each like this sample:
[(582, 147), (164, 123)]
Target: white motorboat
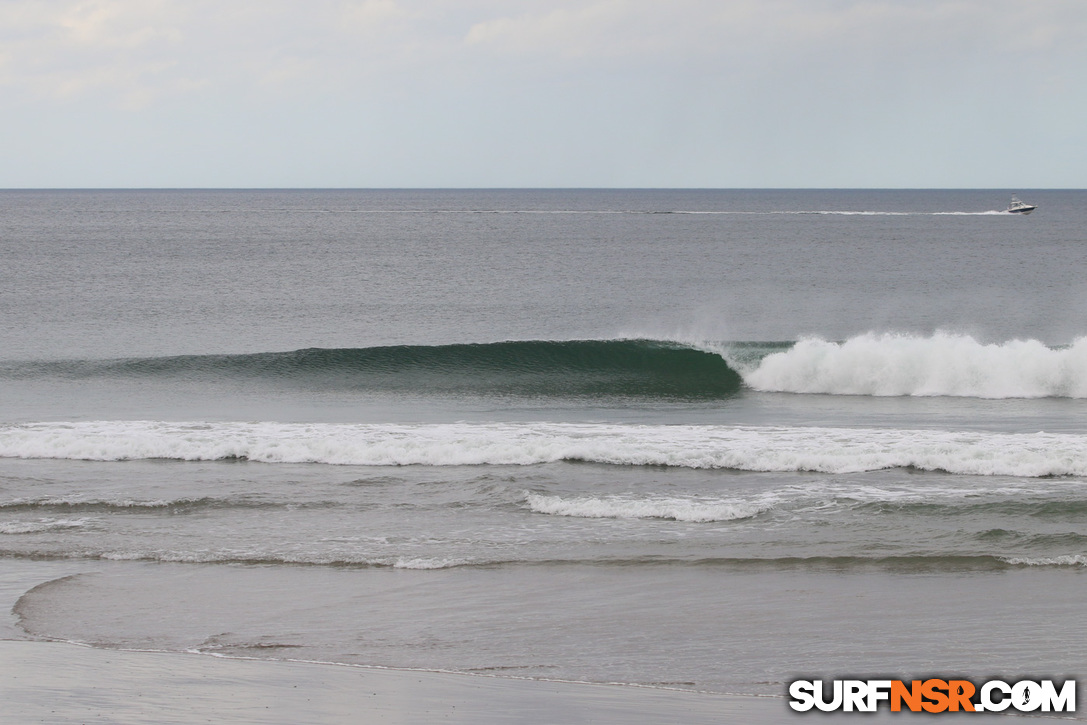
[(1020, 207)]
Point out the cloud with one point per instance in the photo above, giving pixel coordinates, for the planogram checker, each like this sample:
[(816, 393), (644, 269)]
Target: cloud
[(603, 28), (67, 49), (766, 29), (155, 48), (551, 92)]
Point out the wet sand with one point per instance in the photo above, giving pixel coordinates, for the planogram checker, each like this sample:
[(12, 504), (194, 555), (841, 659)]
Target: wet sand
[(64, 683), (52, 682), (59, 682)]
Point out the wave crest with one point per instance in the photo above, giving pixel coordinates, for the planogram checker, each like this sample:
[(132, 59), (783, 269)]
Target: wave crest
[(535, 368), (676, 509), (1065, 560), (40, 526)]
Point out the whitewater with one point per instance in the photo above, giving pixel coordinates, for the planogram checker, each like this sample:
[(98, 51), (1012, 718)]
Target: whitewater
[(827, 450), (948, 364)]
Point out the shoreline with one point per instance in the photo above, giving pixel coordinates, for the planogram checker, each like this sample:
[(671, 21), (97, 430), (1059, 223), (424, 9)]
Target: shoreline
[(44, 678), (60, 682)]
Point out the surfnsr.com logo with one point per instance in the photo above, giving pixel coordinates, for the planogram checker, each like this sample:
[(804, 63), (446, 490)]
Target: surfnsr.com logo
[(933, 695)]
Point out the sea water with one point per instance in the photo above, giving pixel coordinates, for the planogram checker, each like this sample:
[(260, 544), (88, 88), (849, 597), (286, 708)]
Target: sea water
[(714, 440)]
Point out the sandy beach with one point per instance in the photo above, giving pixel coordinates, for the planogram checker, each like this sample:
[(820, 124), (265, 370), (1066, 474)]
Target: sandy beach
[(61, 683), (52, 682)]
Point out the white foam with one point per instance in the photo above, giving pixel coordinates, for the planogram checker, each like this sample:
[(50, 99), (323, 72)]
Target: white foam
[(1066, 560), (226, 555), (612, 507), (134, 556), (829, 450), (942, 365), (820, 494), (428, 563), (40, 526), (81, 501)]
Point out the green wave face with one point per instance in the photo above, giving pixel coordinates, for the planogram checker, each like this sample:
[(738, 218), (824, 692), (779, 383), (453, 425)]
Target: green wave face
[(578, 368)]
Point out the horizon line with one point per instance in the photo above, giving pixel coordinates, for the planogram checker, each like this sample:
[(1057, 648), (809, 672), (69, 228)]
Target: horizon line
[(536, 188)]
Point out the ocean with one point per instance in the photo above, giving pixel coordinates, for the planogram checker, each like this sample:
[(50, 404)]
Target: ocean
[(707, 440)]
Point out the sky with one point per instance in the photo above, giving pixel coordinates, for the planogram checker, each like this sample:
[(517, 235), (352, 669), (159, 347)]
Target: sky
[(543, 93)]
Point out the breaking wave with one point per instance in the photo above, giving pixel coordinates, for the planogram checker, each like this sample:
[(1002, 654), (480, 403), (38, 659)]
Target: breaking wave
[(874, 364), (1067, 560), (827, 450), (941, 365)]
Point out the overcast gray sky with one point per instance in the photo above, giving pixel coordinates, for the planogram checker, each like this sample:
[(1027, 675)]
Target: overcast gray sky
[(543, 93)]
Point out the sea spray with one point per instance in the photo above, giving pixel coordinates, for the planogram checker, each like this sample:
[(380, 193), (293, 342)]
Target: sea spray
[(941, 365)]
